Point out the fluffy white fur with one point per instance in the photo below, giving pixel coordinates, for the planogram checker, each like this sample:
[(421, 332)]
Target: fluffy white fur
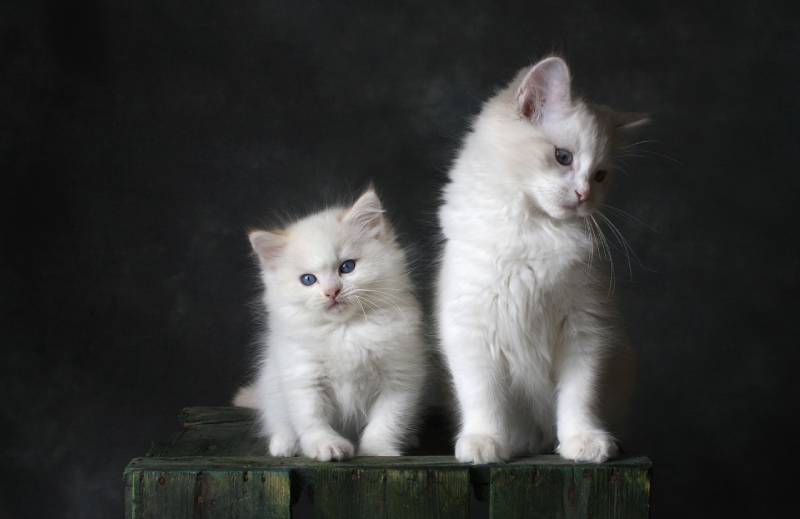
[(525, 317), (334, 376)]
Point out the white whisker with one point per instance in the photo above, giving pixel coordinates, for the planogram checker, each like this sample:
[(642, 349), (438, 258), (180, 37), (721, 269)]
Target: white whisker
[(621, 239), (629, 216), (607, 248)]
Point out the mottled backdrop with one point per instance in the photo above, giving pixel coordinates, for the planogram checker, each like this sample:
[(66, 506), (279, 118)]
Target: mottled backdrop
[(140, 139)]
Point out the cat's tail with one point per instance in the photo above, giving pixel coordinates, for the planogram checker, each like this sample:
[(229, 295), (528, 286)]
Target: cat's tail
[(245, 397)]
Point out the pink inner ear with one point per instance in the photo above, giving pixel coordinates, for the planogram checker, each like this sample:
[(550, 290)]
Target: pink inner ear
[(546, 88), (366, 215), (527, 107), (267, 245)]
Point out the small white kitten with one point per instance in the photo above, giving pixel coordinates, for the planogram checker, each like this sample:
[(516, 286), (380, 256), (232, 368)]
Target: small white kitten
[(343, 358), (525, 319)]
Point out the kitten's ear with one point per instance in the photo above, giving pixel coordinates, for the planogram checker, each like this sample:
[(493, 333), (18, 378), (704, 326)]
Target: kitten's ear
[(268, 245), (366, 215), (631, 120), (545, 89)]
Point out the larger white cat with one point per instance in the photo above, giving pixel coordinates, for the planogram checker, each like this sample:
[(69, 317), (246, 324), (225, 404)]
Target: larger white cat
[(344, 359), (525, 318)]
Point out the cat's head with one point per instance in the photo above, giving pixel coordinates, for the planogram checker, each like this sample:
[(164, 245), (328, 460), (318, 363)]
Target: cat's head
[(559, 149), (333, 265)]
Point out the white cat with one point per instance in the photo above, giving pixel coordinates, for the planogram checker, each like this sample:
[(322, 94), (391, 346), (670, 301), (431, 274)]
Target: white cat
[(524, 316), (344, 359)]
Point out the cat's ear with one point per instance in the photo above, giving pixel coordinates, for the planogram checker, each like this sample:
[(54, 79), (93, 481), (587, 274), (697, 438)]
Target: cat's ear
[(630, 120), (366, 215), (268, 245), (545, 89)]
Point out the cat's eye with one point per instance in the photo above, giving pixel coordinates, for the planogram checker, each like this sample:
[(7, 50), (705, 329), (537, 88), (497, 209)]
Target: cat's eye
[(600, 175), (563, 157), (308, 279), (347, 266)]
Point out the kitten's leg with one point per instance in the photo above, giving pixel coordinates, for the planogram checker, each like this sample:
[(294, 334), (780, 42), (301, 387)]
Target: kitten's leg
[(311, 415), (275, 417), (580, 435), (477, 381), (390, 418), (282, 438)]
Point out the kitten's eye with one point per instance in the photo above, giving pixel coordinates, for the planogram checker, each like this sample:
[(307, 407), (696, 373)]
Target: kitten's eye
[(600, 175), (563, 157), (347, 266), (308, 279)]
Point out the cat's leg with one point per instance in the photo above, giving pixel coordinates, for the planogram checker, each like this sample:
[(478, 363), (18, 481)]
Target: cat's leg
[(466, 325), (276, 423), (391, 416), (311, 415), (282, 439), (478, 385), (580, 434)]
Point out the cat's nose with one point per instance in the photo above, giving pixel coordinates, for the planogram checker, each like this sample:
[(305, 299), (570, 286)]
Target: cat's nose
[(332, 293), (582, 196)]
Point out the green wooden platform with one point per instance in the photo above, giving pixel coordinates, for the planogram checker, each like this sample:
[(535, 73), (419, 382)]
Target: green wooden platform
[(215, 467)]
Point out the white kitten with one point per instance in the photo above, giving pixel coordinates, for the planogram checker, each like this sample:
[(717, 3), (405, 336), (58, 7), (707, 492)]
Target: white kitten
[(525, 319), (344, 358)]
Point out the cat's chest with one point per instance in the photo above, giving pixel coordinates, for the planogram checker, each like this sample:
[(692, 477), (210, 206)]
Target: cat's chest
[(534, 264), (351, 357), (353, 372)]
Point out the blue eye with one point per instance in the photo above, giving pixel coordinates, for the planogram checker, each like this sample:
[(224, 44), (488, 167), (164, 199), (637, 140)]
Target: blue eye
[(308, 279), (563, 157), (347, 266)]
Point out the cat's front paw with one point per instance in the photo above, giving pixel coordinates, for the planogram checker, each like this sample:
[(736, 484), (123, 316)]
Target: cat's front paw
[(367, 448), (480, 448), (328, 447), (593, 446), (282, 445)]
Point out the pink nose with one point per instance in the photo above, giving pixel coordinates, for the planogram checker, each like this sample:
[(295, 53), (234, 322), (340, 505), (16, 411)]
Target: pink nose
[(332, 293), (582, 197)]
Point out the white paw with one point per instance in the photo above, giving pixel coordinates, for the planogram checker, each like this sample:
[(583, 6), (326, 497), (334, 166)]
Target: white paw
[(328, 447), (593, 446), (283, 445), (368, 448), (480, 448)]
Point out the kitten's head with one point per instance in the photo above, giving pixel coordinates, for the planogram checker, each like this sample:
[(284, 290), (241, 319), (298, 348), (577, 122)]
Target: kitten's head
[(332, 265), (560, 149)]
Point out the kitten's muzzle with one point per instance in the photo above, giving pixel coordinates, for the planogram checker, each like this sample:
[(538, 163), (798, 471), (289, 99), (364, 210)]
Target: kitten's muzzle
[(332, 294), (583, 196)]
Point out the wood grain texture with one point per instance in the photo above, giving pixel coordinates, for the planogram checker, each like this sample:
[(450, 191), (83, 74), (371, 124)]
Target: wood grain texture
[(425, 493), (194, 416), (349, 493), (555, 491), (153, 494)]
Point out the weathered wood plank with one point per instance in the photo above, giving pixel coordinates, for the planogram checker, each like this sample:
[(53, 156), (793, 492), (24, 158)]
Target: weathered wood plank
[(216, 467), (156, 494), (194, 416), (434, 436), (553, 491), (349, 493), (298, 463), (427, 493), (220, 439)]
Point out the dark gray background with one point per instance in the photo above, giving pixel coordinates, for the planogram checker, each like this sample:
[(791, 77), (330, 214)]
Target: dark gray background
[(140, 140)]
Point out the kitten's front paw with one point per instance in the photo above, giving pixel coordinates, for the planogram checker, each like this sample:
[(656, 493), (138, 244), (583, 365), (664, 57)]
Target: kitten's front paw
[(367, 448), (593, 446), (328, 447), (282, 445), (480, 448)]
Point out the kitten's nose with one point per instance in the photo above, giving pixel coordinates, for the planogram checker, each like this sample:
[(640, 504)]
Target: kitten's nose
[(582, 196), (332, 293)]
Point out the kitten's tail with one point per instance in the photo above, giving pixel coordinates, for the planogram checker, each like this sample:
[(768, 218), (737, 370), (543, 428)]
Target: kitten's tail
[(245, 397)]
